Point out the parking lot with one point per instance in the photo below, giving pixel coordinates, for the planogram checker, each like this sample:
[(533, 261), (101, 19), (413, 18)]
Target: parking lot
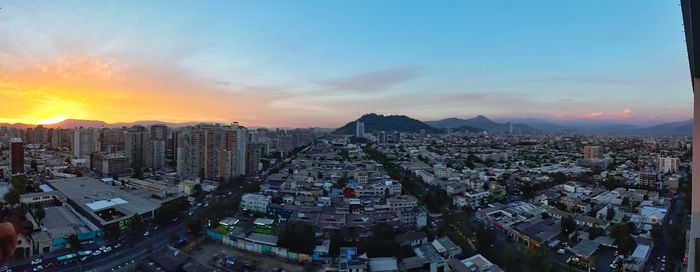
[(212, 254)]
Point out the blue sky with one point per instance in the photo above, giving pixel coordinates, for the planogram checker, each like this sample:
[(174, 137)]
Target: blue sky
[(305, 63)]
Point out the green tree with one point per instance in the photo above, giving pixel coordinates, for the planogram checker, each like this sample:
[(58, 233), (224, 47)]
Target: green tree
[(544, 215), (656, 233), (568, 225), (595, 232), (610, 214), (39, 212), (112, 231), (11, 197), (34, 165), (298, 237), (383, 231), (74, 242), (626, 245), (137, 168), (195, 227), (137, 225), (625, 201), (197, 192), (619, 230), (19, 184)]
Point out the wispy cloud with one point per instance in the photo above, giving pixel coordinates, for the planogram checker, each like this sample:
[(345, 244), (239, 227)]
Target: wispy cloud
[(373, 81), (625, 114)]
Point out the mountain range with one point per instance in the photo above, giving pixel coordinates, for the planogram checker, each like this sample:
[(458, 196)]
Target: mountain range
[(73, 123), (480, 122), (376, 122)]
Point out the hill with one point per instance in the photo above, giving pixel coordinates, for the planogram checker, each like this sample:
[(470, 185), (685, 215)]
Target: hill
[(376, 122), (480, 122)]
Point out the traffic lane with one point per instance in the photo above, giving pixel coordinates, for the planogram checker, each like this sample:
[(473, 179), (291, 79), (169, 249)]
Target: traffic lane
[(130, 250)]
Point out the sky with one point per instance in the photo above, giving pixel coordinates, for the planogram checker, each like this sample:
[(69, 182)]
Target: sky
[(325, 63)]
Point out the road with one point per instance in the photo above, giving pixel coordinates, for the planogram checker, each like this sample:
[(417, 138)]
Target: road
[(663, 248), (107, 261)]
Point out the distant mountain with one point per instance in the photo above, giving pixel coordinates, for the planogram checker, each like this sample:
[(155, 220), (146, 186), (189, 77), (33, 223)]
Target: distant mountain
[(73, 123), (538, 124), (480, 122), (375, 123), (671, 128)]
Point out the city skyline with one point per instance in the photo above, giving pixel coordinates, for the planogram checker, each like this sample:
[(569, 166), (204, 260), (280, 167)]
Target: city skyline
[(273, 64)]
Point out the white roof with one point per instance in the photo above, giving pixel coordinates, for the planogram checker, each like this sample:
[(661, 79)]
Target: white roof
[(102, 204)]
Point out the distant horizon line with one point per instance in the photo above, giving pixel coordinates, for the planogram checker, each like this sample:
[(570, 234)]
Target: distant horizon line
[(515, 120)]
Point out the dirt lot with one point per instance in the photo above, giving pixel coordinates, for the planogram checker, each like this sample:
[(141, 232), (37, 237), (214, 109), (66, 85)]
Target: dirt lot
[(208, 251)]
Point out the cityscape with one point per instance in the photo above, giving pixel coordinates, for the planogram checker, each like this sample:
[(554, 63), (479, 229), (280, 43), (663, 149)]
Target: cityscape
[(346, 136)]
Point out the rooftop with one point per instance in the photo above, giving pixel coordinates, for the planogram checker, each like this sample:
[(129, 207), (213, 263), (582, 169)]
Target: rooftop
[(105, 203)]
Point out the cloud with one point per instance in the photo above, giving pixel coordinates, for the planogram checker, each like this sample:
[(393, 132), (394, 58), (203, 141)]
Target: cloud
[(373, 81), (625, 114)]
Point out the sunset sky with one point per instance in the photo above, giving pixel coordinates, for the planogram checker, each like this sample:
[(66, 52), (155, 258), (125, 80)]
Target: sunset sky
[(324, 63)]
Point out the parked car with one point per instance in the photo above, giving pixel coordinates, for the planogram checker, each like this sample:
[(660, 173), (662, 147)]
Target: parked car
[(36, 261)]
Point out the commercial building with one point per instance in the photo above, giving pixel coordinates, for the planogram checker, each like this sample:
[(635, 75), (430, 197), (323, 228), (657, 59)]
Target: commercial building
[(103, 204)]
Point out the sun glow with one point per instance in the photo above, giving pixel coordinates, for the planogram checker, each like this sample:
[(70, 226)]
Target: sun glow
[(52, 120)]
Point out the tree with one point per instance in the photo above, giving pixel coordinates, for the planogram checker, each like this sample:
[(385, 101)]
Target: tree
[(195, 227), (625, 201), (568, 225), (656, 233), (112, 231), (435, 199), (611, 213), (39, 212), (74, 242), (626, 244), (197, 192), (137, 168), (544, 215), (619, 230), (137, 225), (298, 237), (12, 197), (383, 231), (34, 165), (595, 232), (19, 183)]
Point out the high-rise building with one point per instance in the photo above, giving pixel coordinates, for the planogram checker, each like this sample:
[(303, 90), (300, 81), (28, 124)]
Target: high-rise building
[(359, 129), (159, 137), (253, 155), (381, 138), (134, 139), (397, 137), (669, 165), (17, 156), (592, 152), (211, 152), (85, 142)]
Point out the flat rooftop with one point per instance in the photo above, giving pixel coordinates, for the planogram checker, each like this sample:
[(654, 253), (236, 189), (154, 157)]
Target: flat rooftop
[(61, 221), (105, 203)]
